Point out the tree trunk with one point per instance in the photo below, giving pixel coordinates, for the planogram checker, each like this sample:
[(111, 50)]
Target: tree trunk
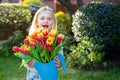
[(68, 5), (80, 3)]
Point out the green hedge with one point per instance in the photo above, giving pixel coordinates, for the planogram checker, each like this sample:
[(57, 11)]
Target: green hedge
[(96, 27), (6, 45), (14, 22), (64, 27), (35, 2), (13, 17)]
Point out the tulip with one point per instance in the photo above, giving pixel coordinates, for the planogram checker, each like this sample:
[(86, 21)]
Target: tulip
[(43, 46), (40, 36), (15, 49), (49, 41), (45, 32), (26, 41), (53, 33), (21, 49), (32, 45), (33, 35), (60, 38), (25, 51), (39, 30), (50, 48)]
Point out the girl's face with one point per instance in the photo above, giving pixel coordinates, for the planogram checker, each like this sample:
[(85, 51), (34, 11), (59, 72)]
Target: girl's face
[(45, 20)]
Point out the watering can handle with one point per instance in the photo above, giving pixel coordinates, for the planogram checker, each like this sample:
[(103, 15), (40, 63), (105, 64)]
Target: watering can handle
[(62, 60)]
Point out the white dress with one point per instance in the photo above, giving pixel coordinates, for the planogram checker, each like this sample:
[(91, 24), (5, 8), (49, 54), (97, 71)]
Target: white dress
[(32, 73)]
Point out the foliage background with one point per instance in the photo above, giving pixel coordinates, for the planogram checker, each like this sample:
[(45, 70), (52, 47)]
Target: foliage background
[(96, 28)]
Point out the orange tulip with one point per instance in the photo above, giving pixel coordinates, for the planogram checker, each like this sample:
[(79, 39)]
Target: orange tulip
[(40, 36), (45, 32), (39, 30), (33, 35)]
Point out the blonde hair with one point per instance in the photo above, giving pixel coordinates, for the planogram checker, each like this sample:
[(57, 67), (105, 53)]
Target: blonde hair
[(34, 25)]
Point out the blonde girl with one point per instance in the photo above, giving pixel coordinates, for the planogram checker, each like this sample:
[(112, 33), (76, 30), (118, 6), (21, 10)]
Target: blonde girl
[(45, 18)]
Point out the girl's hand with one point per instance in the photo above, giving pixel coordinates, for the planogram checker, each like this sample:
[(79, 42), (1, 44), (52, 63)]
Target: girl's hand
[(57, 61), (30, 64)]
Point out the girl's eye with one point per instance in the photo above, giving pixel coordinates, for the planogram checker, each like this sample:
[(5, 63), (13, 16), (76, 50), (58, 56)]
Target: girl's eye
[(49, 18), (42, 18)]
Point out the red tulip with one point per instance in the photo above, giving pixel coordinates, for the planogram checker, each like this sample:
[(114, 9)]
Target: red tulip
[(15, 49), (50, 48), (60, 38), (33, 45), (45, 32), (21, 50), (26, 41), (43, 46), (25, 51)]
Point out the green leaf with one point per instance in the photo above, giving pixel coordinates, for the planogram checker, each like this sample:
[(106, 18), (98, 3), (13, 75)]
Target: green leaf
[(34, 53), (38, 46), (56, 50), (26, 58), (43, 53)]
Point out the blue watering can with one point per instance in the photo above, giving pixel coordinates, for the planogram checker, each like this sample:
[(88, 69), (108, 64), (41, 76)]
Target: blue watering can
[(49, 71)]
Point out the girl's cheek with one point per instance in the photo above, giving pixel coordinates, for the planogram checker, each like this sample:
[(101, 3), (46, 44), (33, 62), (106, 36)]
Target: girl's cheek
[(39, 23)]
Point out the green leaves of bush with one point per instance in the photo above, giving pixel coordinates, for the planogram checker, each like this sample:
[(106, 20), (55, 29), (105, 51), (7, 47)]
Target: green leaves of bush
[(98, 24), (14, 15), (6, 45)]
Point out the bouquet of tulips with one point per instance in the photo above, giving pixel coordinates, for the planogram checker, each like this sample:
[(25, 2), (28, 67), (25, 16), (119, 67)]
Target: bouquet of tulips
[(40, 45)]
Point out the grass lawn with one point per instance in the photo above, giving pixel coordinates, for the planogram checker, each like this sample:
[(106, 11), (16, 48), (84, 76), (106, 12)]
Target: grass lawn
[(9, 71)]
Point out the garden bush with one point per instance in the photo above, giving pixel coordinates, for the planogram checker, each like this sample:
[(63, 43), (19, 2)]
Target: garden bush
[(14, 22), (34, 2), (6, 45), (63, 23), (64, 27), (13, 17), (96, 28)]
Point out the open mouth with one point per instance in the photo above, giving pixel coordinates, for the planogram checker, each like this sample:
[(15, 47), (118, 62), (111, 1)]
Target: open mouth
[(45, 26)]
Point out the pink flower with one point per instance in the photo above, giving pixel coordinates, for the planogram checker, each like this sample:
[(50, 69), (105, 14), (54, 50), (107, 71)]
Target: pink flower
[(33, 45), (25, 51), (43, 46), (38, 44), (15, 49), (26, 41), (50, 48), (21, 50)]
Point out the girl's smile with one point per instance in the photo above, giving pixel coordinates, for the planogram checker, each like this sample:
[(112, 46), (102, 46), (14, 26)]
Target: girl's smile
[(45, 26), (45, 20)]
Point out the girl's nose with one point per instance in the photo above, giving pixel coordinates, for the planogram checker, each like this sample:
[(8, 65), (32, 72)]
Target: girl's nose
[(45, 20)]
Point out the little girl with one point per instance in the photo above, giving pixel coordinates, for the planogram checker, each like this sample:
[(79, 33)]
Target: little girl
[(44, 18)]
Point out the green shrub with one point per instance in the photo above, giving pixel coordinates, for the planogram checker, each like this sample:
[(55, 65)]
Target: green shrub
[(14, 17), (63, 23), (98, 24), (86, 53), (64, 27), (35, 2), (6, 45)]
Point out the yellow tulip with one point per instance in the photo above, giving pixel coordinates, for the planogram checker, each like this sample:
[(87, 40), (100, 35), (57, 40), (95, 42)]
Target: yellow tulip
[(53, 33), (49, 41)]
